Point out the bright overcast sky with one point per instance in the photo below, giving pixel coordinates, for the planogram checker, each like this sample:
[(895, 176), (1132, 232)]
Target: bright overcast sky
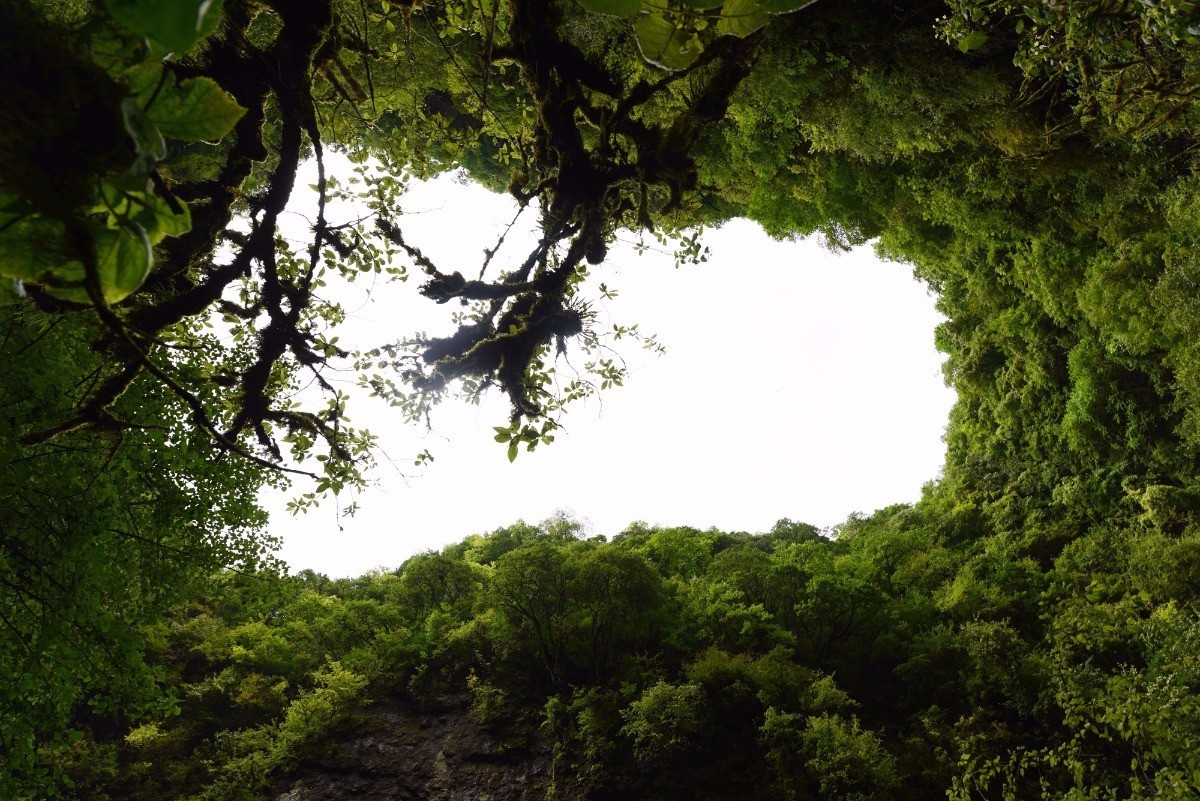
[(797, 383)]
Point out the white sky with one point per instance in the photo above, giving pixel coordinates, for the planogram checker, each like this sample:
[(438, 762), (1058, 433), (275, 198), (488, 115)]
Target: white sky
[(797, 383)]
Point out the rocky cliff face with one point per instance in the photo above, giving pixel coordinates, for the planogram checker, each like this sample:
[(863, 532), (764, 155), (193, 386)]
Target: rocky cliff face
[(399, 751)]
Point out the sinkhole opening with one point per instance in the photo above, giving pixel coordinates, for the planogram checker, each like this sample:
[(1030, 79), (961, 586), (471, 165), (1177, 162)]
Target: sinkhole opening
[(797, 382)]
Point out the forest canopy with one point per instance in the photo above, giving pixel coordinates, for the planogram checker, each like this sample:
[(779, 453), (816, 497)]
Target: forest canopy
[(1028, 629)]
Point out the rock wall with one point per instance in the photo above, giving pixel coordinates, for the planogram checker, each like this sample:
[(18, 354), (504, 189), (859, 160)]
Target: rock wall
[(396, 751)]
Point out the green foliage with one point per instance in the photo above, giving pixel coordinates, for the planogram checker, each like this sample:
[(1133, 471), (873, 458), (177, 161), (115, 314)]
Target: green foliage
[(670, 37), (846, 762), (880, 664), (741, 17), (94, 245), (665, 721), (195, 110), (100, 538), (175, 25), (1027, 630)]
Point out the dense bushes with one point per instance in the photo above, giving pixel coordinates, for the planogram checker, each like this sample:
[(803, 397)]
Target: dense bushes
[(874, 663)]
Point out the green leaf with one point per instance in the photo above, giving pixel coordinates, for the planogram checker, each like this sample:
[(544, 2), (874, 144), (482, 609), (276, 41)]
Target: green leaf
[(144, 80), (122, 260), (10, 291), (145, 134), (972, 41), (31, 250), (741, 17), (703, 5), (195, 110), (512, 449), (153, 213), (122, 264), (784, 6), (615, 8), (664, 44), (176, 24), (12, 208), (159, 220)]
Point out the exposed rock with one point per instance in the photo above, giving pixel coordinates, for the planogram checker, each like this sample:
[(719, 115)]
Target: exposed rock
[(399, 751)]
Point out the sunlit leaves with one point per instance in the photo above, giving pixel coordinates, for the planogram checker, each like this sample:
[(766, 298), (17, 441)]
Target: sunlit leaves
[(516, 434)]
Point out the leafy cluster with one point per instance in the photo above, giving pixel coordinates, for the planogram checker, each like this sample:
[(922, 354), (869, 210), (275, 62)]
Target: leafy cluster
[(78, 229), (99, 536), (913, 654), (669, 34)]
